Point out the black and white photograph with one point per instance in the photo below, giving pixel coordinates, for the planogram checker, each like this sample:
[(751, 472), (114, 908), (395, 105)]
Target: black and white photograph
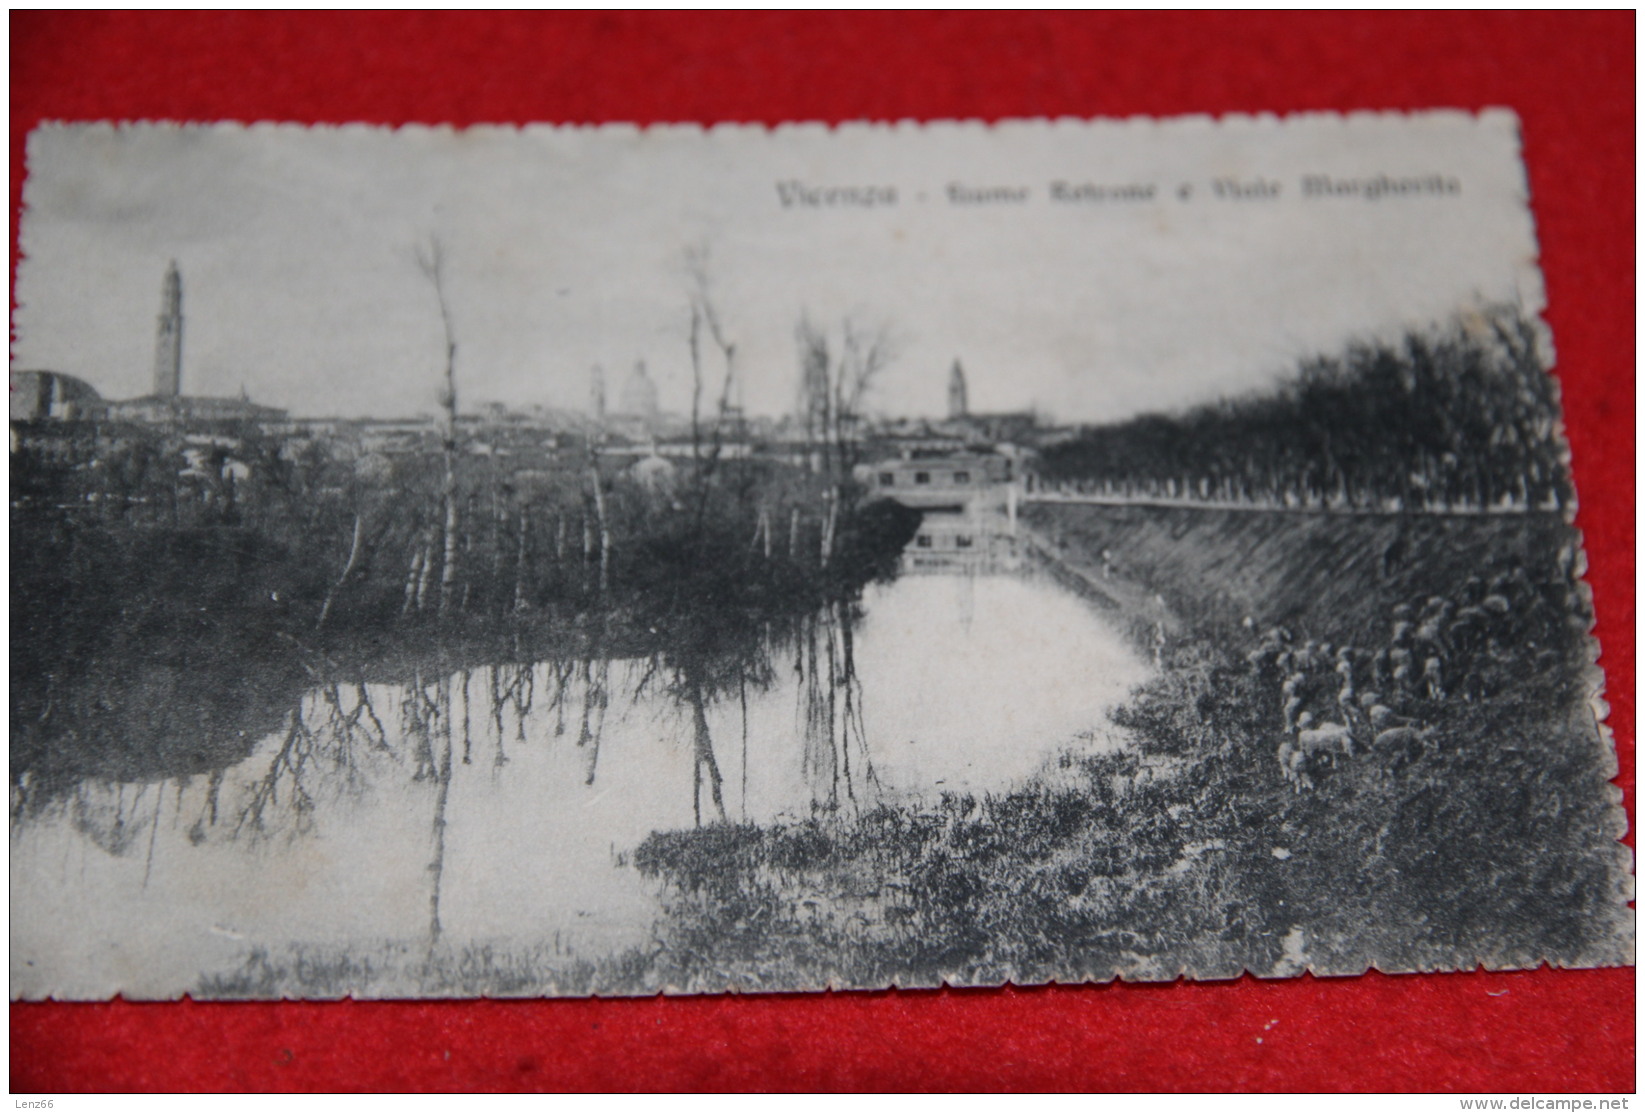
[(566, 561)]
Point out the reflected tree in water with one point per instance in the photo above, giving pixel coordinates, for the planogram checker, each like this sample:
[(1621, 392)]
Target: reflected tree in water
[(324, 739), (835, 745)]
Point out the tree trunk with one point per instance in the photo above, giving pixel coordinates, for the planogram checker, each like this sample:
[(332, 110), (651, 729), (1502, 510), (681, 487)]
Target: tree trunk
[(448, 568), (605, 528), (432, 264), (413, 576), (348, 570), (829, 523), (425, 577), (520, 555)]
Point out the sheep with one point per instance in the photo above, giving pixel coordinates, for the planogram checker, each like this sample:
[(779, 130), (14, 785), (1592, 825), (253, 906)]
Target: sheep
[(1383, 718), (1293, 765), (1433, 678), (1466, 629), (1430, 636), (1345, 672), (1324, 739), (1291, 710), (1271, 651), (1309, 748), (1403, 666), (1381, 669), (1398, 747)]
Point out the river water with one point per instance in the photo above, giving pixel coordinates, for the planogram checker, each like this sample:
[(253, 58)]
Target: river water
[(499, 806)]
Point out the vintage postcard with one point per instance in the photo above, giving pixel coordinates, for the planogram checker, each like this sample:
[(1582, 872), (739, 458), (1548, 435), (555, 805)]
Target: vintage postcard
[(535, 561)]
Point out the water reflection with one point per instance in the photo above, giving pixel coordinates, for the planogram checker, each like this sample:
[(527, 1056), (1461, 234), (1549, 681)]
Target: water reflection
[(974, 536), (499, 802)]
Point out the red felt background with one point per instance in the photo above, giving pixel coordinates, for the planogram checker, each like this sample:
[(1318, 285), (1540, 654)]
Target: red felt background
[(1571, 78)]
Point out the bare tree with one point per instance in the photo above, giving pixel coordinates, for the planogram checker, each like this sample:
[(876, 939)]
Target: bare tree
[(705, 319), (431, 260), (705, 314), (866, 350), (815, 392), (834, 382), (703, 308)]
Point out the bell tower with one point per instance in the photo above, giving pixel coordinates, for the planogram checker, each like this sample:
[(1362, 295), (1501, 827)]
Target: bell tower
[(958, 404), (168, 344)]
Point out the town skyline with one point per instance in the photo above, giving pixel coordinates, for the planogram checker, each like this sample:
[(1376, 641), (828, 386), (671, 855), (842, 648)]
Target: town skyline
[(298, 253)]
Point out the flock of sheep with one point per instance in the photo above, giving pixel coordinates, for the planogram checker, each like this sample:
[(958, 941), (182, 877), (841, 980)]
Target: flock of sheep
[(1341, 703)]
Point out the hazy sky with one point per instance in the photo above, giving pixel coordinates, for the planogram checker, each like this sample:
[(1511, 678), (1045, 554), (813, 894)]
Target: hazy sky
[(565, 248)]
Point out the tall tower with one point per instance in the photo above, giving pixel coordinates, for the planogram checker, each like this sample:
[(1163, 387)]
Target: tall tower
[(168, 344), (958, 406)]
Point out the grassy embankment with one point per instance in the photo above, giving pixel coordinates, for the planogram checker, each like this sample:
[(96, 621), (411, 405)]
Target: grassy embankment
[(1191, 853)]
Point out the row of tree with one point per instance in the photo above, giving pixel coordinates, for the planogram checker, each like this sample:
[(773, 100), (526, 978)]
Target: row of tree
[(1460, 417), (447, 529)]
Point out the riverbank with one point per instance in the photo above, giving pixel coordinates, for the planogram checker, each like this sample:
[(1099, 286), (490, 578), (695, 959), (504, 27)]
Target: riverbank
[(1194, 853), (1331, 577)]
